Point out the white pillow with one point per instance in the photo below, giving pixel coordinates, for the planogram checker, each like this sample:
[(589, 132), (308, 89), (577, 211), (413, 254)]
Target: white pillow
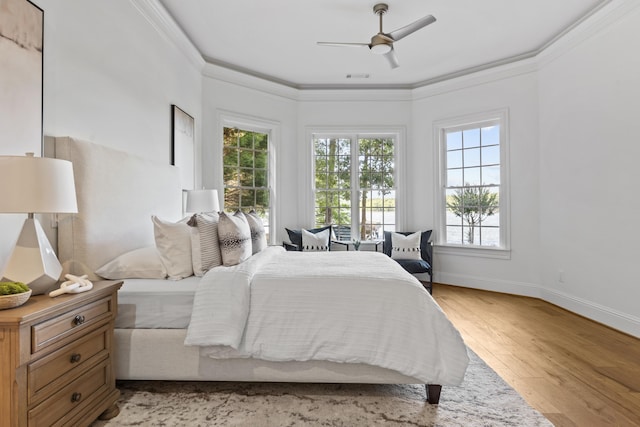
[(406, 247), (173, 240), (234, 236), (143, 263), (315, 242), (205, 249), (258, 235)]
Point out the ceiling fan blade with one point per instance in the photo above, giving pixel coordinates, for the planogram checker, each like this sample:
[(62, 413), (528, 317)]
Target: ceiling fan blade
[(392, 58), (337, 44), (413, 27)]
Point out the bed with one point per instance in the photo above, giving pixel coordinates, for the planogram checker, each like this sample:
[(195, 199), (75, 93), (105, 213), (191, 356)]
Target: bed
[(164, 327)]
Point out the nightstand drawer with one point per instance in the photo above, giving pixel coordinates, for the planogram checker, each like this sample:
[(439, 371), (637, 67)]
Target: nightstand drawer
[(63, 325), (71, 399), (76, 355)]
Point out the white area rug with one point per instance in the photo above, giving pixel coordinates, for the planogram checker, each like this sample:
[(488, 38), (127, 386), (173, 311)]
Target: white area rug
[(483, 399)]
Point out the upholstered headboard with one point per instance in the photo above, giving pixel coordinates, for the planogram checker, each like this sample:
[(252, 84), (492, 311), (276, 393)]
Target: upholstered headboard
[(117, 194)]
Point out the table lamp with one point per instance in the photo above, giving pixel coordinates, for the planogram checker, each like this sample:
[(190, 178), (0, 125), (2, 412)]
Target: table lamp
[(199, 201), (38, 185)]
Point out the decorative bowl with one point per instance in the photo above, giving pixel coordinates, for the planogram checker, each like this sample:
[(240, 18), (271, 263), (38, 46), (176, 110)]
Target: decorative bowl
[(14, 300)]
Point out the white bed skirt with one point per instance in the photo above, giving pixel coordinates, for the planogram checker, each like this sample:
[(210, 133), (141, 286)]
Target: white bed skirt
[(159, 354)]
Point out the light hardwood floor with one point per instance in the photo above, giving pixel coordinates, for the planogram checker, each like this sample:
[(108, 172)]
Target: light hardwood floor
[(575, 371)]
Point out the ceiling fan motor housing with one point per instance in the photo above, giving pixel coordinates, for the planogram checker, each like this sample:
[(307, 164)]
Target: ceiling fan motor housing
[(380, 44)]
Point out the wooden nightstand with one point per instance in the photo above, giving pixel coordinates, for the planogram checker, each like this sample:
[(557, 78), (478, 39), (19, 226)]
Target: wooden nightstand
[(56, 366)]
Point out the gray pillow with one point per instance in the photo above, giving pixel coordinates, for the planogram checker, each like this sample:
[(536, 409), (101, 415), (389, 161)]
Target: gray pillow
[(234, 236), (258, 235)]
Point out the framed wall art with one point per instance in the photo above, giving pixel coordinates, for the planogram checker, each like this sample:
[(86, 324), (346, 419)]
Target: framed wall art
[(21, 65), (183, 146)]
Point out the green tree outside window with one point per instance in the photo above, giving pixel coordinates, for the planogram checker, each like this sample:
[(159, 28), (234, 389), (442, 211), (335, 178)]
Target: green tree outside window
[(246, 171)]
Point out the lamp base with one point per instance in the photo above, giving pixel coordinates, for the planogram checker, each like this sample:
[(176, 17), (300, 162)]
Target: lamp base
[(33, 261)]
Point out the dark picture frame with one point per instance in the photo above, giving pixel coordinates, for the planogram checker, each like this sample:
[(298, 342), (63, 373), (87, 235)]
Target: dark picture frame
[(183, 145), (21, 78)]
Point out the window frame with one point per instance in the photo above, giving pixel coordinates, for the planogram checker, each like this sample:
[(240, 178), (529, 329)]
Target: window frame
[(355, 134), (471, 121), (272, 130)]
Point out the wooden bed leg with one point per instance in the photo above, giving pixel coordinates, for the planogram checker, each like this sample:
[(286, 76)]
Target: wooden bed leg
[(433, 393)]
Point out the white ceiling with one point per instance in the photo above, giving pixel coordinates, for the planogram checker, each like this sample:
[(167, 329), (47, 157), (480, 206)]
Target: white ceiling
[(276, 39)]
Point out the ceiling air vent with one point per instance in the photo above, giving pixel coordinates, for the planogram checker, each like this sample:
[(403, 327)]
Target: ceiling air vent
[(358, 76)]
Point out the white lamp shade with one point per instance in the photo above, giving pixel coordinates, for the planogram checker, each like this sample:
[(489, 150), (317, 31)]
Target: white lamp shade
[(202, 201), (37, 185)]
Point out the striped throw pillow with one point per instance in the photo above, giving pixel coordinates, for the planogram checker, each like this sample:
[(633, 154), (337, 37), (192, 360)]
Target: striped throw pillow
[(205, 248)]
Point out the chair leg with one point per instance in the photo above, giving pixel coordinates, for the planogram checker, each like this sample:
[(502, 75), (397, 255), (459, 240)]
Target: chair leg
[(427, 285)]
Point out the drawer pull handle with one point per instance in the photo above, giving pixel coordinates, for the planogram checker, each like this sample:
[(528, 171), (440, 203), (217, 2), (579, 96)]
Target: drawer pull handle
[(75, 397), (75, 358), (78, 320)]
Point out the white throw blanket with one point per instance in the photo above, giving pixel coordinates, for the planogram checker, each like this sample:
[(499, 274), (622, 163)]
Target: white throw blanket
[(357, 307)]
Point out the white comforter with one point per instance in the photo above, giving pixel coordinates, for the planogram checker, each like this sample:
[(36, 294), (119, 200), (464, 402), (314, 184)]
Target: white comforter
[(358, 307)]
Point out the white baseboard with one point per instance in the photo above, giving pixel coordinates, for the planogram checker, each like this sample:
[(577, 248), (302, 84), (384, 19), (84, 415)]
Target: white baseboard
[(599, 313), (496, 285), (607, 316)]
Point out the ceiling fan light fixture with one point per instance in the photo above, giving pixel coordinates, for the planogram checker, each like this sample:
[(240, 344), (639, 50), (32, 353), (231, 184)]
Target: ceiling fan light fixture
[(381, 49)]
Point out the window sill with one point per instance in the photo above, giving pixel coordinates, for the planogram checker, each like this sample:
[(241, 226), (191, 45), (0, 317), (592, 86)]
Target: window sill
[(474, 251)]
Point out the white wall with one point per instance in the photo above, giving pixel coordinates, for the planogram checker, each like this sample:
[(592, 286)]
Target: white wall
[(589, 175), (109, 77), (517, 92), (222, 98)]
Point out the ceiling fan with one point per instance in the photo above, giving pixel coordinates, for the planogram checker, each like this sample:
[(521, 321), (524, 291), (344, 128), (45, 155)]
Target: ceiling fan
[(382, 43)]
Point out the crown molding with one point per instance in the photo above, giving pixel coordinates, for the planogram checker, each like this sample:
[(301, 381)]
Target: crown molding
[(595, 21), (239, 78), (482, 76), (355, 95), (461, 80), (167, 27), (590, 25), (249, 81)]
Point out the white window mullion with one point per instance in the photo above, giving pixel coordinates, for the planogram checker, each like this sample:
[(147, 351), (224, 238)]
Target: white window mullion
[(355, 186)]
